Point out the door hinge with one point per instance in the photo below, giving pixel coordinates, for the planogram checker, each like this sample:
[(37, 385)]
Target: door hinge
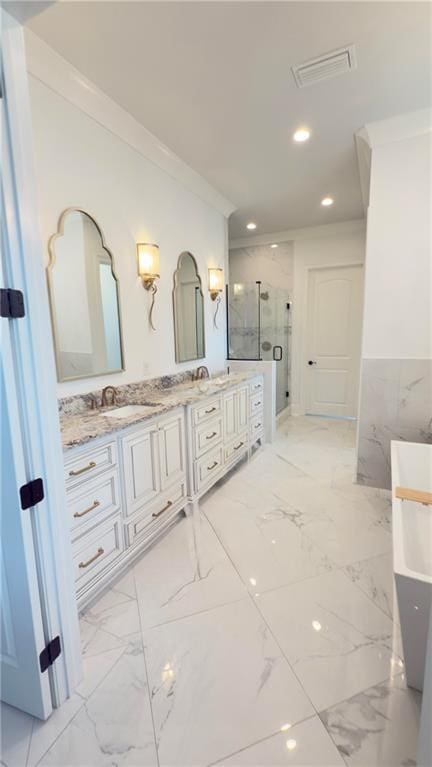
[(32, 493), (50, 653), (287, 393), (11, 304), (289, 305)]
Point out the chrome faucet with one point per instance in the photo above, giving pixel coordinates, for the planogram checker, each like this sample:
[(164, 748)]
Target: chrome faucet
[(104, 401), (201, 372)]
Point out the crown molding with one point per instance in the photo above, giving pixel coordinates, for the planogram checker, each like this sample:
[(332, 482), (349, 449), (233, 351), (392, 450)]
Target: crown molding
[(60, 76), (307, 233), (396, 128)]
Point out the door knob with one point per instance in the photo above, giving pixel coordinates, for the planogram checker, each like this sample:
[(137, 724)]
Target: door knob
[(312, 362)]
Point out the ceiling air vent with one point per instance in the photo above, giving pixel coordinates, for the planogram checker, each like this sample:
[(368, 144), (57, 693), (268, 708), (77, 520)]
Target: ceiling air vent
[(329, 65)]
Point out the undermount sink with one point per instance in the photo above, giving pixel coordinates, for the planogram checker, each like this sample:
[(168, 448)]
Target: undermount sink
[(127, 410)]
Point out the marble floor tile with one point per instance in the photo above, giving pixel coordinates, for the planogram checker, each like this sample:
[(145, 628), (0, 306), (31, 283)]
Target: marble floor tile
[(307, 744), (335, 639), (44, 734), (95, 640), (118, 620), (375, 577), (377, 727), (168, 582), (114, 726), (218, 682), (234, 677), (95, 669), (350, 536), (267, 548), (15, 733)]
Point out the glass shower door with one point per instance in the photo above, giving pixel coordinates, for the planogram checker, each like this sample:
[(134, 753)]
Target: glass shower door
[(275, 337)]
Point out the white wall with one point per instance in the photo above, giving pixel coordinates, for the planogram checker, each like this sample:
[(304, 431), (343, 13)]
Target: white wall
[(398, 283), (80, 163), (287, 266)]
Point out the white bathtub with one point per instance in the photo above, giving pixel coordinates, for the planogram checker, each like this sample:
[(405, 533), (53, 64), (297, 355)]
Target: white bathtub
[(411, 465)]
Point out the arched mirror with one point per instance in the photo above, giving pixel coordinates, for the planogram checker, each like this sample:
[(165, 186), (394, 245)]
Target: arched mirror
[(84, 300), (188, 303)]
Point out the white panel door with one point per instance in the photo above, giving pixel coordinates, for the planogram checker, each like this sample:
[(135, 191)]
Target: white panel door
[(21, 630), (333, 341), (172, 450), (141, 468)]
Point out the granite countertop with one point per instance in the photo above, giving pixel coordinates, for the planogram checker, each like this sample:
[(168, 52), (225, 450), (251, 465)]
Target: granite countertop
[(82, 427)]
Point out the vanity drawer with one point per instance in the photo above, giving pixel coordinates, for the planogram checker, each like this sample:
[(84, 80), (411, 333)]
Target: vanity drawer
[(87, 464), (207, 435), (168, 504), (238, 447), (203, 412), (93, 500), (256, 386), (207, 467), (257, 428), (256, 404), (96, 550)]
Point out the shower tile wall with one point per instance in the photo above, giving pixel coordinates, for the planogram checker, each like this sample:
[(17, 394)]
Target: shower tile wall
[(274, 267), (396, 403)]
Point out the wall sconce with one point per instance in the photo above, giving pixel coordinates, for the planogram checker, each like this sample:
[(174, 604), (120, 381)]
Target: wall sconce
[(148, 270), (216, 286)]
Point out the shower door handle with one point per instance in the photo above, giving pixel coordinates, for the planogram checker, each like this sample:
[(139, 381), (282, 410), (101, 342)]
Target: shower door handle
[(280, 353)]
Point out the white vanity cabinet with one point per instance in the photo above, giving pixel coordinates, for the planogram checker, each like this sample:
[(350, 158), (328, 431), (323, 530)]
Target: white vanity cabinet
[(121, 493), (221, 431), (256, 410), (124, 489)]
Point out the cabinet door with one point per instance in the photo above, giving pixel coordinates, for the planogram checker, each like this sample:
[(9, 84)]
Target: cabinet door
[(242, 409), (172, 450), (141, 468), (229, 416)]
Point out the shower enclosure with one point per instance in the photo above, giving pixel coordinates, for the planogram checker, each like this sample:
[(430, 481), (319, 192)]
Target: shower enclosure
[(258, 328)]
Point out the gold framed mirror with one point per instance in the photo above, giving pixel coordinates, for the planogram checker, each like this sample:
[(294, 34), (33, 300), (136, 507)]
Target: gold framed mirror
[(84, 299), (188, 305)]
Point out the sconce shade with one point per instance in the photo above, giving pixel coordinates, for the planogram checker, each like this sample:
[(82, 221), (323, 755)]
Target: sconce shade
[(215, 281), (148, 260)]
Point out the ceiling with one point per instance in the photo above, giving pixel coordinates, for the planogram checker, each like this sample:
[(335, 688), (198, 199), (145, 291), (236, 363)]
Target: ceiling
[(212, 80)]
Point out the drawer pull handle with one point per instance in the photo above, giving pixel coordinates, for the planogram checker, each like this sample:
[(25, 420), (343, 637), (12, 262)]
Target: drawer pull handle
[(212, 409), (74, 473), (210, 436), (257, 386), (237, 447), (165, 508), (212, 466), (257, 404), (98, 554), (257, 425), (94, 505)]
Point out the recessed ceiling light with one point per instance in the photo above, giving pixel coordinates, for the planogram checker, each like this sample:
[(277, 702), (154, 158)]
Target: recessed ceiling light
[(291, 744), (273, 245), (251, 225), (302, 134), (326, 201)]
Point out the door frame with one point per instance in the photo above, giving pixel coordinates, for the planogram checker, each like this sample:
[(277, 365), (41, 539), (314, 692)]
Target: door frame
[(303, 329), (35, 369)]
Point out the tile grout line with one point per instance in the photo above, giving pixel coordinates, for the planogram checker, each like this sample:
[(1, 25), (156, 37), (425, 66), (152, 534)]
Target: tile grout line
[(317, 712), (266, 624), (29, 742), (261, 740), (82, 705), (146, 670)]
